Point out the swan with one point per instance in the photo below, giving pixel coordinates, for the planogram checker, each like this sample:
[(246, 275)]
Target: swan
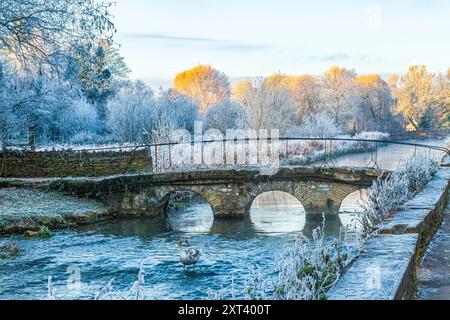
[(188, 256)]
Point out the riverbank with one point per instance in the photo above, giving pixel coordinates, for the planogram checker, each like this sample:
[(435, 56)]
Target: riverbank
[(386, 269), (433, 274), (22, 210)]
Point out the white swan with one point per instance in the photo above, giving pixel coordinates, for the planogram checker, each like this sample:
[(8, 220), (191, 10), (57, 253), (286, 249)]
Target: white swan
[(188, 256)]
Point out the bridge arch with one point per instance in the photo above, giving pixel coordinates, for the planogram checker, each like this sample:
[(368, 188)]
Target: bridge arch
[(350, 204), (265, 196), (181, 198), (277, 212)]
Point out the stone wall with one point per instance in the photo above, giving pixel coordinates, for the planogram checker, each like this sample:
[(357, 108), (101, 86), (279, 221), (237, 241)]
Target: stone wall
[(386, 269), (71, 163)]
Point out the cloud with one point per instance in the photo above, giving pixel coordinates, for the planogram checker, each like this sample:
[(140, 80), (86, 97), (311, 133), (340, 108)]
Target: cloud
[(168, 37), (211, 43), (335, 57), (244, 47)]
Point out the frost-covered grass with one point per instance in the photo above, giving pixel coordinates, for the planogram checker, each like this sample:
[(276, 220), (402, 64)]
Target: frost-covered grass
[(305, 271), (389, 195), (32, 203), (25, 209)]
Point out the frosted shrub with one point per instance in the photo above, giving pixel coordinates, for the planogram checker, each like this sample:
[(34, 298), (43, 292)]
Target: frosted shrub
[(256, 286), (390, 194), (108, 293), (130, 112), (372, 135), (135, 292), (85, 137), (417, 170), (227, 115), (320, 125), (384, 197), (309, 269)]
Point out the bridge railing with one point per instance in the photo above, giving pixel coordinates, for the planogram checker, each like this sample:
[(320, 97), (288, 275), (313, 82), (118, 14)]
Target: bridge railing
[(244, 152), (216, 154)]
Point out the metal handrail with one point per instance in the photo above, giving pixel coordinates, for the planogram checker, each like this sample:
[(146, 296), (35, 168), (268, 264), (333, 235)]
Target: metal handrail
[(167, 164), (146, 145)]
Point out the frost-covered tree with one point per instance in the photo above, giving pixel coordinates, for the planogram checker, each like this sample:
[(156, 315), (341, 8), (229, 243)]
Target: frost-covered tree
[(135, 114), (441, 98), (32, 30), (337, 84), (269, 105), (130, 112), (25, 102), (9, 96), (179, 109), (307, 93), (98, 69), (227, 115), (414, 94), (240, 90), (41, 104), (204, 84), (320, 125), (373, 105), (79, 122)]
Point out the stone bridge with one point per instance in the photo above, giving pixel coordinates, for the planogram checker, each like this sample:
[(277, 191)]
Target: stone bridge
[(230, 193)]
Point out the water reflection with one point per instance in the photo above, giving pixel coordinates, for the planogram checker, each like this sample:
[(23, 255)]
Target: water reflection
[(350, 205), (197, 218), (277, 212)]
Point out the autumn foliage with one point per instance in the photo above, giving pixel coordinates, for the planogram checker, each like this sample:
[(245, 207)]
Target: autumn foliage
[(204, 84)]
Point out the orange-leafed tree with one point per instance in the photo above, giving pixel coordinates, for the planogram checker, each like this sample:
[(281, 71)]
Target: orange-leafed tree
[(241, 91), (414, 94), (374, 104), (306, 91), (204, 84)]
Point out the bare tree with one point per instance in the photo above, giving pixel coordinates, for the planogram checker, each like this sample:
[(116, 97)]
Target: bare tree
[(227, 115), (307, 93), (269, 105), (337, 83), (36, 29), (374, 104)]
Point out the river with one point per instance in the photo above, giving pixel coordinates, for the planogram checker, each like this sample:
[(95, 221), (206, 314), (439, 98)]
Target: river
[(97, 253)]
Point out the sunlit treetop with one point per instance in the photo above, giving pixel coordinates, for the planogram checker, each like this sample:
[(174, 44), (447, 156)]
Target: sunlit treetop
[(241, 90), (204, 84)]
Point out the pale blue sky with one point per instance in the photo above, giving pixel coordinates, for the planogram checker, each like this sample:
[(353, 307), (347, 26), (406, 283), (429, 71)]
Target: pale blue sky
[(257, 37)]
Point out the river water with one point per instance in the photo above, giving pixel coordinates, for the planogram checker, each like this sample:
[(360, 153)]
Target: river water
[(95, 254)]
